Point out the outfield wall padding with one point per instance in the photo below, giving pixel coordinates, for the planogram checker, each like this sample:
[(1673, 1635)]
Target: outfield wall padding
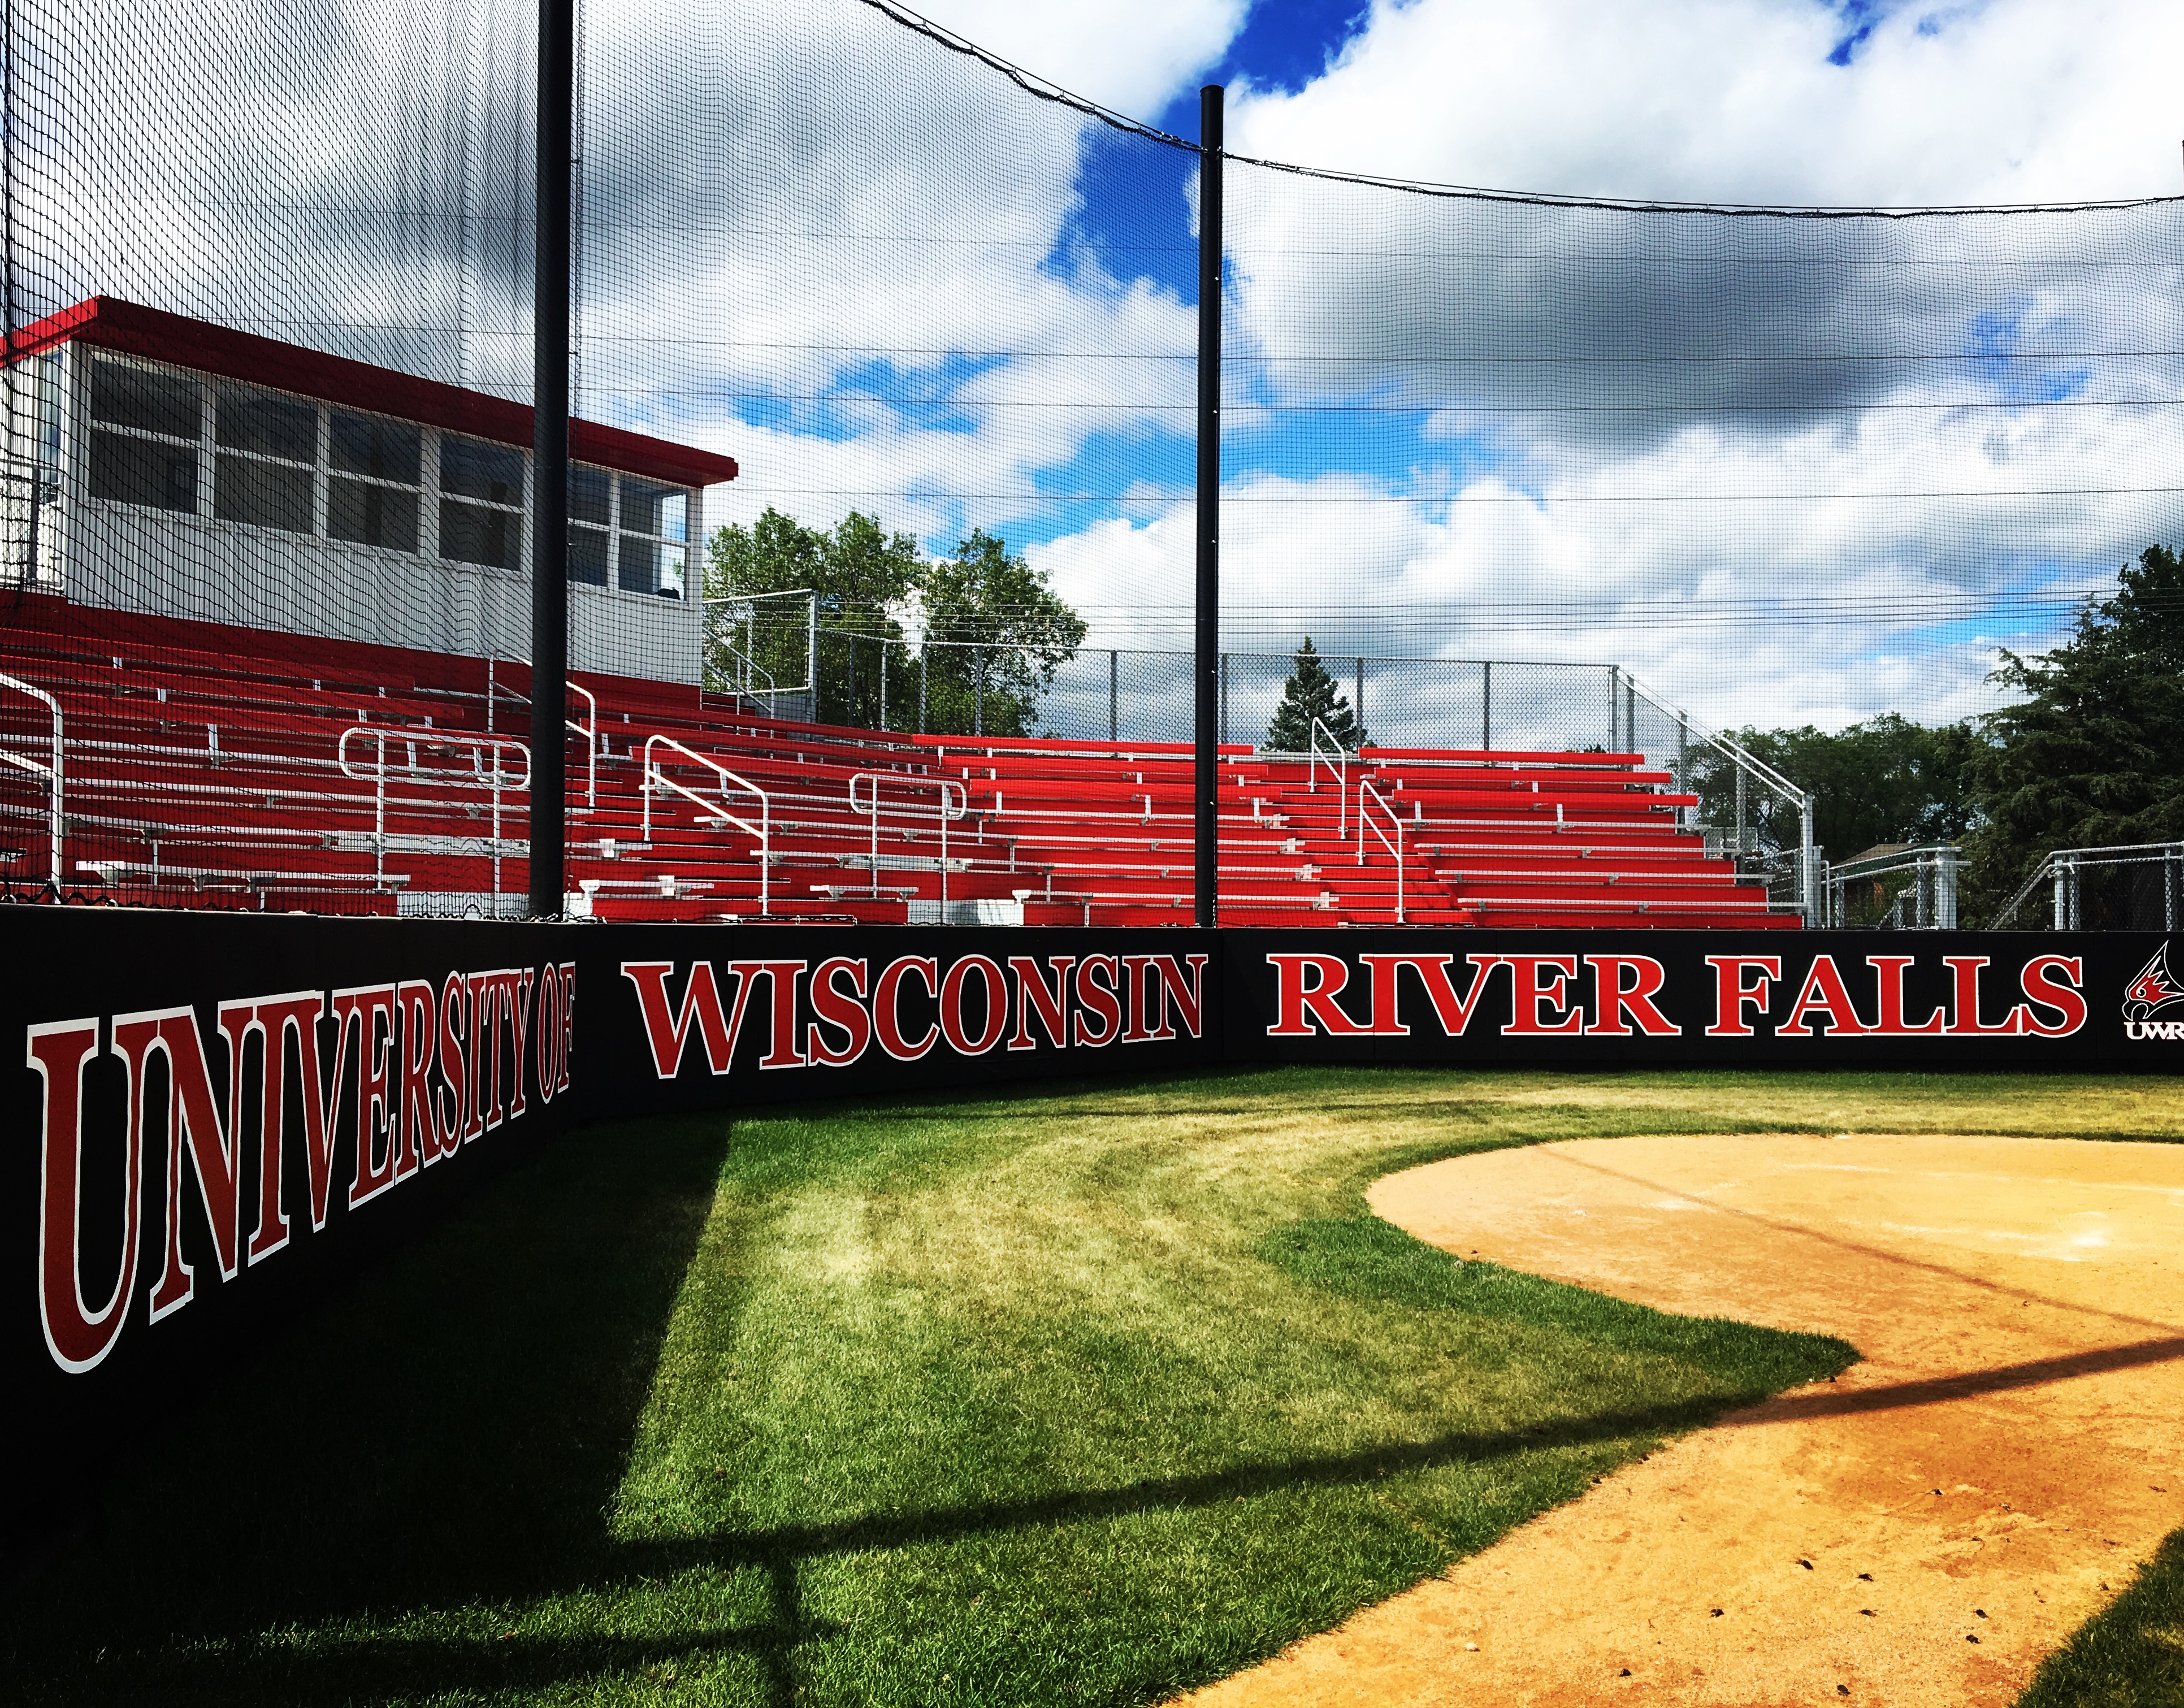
[(161, 1228)]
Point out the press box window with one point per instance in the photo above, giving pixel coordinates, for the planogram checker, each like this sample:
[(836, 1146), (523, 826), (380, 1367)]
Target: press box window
[(485, 524), (137, 415), (263, 474), (591, 510), (376, 468), (653, 522)]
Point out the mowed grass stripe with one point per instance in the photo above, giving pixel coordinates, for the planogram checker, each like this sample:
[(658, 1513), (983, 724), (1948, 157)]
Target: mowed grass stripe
[(1080, 1398)]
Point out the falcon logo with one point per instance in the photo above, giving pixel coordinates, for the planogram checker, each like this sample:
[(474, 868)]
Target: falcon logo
[(2147, 995)]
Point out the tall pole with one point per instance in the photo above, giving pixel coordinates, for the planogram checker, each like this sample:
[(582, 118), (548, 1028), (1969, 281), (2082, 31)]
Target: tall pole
[(1207, 663), (549, 459)]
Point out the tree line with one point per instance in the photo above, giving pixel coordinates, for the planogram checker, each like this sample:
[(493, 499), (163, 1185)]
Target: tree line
[(993, 632), (2092, 755)]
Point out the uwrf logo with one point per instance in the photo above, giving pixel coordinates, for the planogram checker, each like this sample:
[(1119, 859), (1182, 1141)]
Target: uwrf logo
[(2154, 990)]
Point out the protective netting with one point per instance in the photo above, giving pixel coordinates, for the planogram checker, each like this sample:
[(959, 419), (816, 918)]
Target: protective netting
[(1529, 473)]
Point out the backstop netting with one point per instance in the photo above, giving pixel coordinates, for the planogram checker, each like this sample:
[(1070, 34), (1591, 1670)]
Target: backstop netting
[(885, 368)]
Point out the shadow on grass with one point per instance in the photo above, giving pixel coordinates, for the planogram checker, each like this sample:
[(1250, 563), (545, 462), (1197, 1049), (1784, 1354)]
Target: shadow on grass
[(453, 1429), (377, 1666)]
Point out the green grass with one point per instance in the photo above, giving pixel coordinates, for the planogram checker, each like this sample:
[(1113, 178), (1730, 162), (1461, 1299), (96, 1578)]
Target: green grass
[(2132, 1655), (1081, 1398)]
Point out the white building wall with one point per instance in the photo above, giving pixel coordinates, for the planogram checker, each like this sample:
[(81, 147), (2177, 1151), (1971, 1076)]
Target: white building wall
[(167, 563)]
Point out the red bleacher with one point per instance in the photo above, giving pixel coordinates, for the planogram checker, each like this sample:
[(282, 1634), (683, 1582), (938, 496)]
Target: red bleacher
[(213, 766)]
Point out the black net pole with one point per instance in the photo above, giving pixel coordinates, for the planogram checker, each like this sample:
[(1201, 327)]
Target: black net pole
[(1207, 790), (550, 465)]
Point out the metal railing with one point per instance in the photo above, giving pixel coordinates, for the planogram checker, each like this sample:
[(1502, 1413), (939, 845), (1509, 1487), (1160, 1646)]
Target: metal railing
[(2064, 873), (1927, 903), (50, 773), (656, 778), (1338, 766), (946, 810), (1365, 791), (723, 614), (497, 781), (494, 692)]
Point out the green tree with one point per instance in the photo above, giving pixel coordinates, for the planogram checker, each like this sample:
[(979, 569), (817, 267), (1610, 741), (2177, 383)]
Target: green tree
[(863, 575), (1311, 693), (1887, 780), (994, 635), (2094, 755)]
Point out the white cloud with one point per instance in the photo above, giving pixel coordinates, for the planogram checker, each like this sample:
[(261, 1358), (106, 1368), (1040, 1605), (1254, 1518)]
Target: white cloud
[(1735, 100), (1131, 56)]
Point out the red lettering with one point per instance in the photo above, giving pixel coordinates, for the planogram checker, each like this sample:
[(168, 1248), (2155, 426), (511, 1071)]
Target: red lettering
[(568, 1024), (550, 1029), (2065, 994), (190, 1111), (1965, 1022), (996, 987), (1032, 993), (667, 1033), (448, 1105), (322, 1103), (1190, 1005), (518, 989), (1614, 998), (1734, 993), (1454, 1012), (273, 1017), (844, 1010), (1294, 999), (420, 1131), (1891, 1024), (1535, 982), (375, 1106), (1822, 993), (77, 1336), (781, 976), (1100, 998), (1144, 986), (887, 1022)]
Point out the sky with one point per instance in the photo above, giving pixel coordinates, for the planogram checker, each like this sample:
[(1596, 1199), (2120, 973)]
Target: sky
[(1780, 470)]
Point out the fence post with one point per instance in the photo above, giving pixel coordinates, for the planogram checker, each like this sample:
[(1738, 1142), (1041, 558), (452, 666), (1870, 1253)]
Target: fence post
[(1945, 909), (2062, 902), (1614, 699), (550, 314), (1113, 727), (1739, 769), (883, 657), (2169, 889), (1486, 706), (923, 650), (1809, 859), (1209, 696), (1358, 696), (979, 691), (812, 656), (1224, 697)]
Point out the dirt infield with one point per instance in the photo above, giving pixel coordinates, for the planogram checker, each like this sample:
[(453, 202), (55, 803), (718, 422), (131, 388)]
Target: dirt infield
[(1920, 1532)]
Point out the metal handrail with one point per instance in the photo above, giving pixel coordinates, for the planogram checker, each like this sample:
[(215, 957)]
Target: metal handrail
[(1396, 847), (942, 812), (1340, 765), (1809, 901), (812, 631), (2062, 865), (763, 829), (478, 746), (1940, 859), (590, 732), (52, 772)]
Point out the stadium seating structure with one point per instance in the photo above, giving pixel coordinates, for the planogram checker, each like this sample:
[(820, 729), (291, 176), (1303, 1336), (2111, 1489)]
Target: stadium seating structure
[(206, 766)]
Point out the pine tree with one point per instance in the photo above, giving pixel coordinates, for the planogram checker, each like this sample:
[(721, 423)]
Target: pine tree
[(1309, 694)]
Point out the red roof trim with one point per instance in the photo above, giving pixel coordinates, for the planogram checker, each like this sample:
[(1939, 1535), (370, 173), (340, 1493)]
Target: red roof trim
[(134, 330)]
